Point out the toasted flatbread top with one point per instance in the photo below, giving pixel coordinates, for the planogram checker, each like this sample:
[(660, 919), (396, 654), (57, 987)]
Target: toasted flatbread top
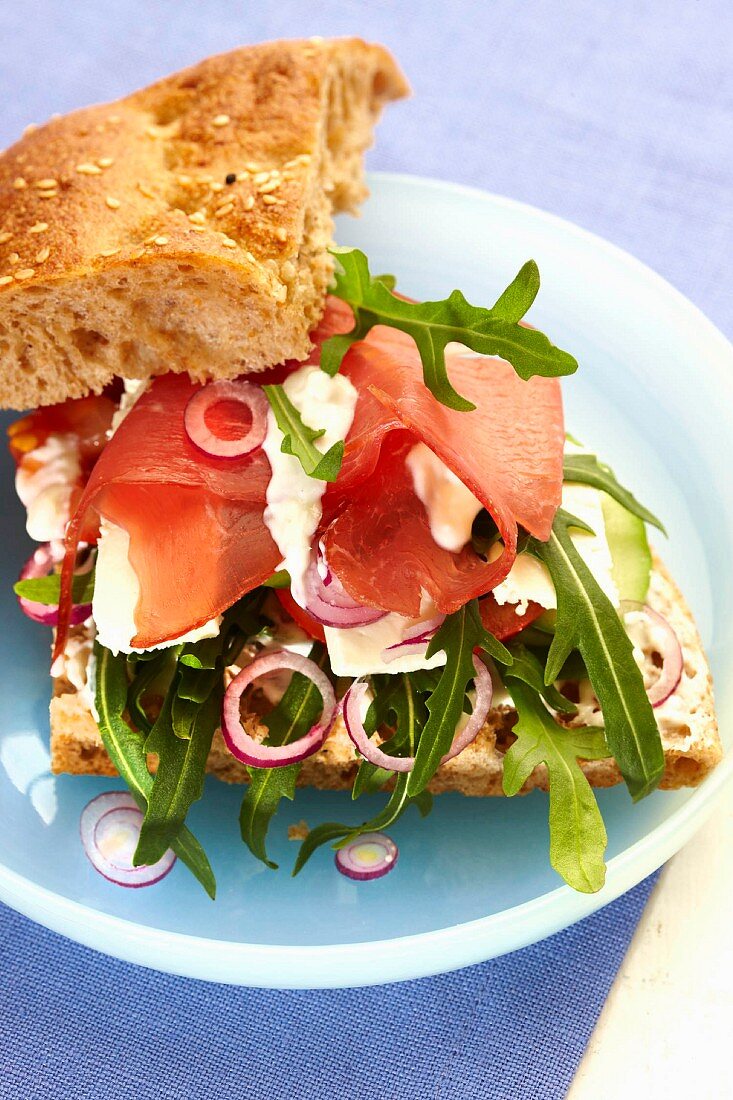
[(186, 226)]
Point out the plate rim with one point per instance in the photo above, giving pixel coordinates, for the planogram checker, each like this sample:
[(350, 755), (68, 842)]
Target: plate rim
[(283, 966)]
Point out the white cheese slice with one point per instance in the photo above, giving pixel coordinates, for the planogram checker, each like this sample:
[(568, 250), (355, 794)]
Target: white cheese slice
[(45, 482), (358, 652)]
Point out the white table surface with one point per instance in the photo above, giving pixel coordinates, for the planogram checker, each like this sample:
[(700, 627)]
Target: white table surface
[(667, 1026)]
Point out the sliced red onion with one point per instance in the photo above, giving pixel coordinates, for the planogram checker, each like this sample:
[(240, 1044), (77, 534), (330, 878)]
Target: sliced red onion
[(251, 752), (352, 708), (669, 650), (201, 435), (110, 828), (41, 564), (369, 856), (415, 640), (328, 602)]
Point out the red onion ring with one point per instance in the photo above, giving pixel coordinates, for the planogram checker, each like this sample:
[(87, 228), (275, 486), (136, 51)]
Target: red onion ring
[(368, 856), (110, 828), (415, 640), (201, 435), (251, 752), (40, 564), (355, 727), (670, 651), (328, 602)]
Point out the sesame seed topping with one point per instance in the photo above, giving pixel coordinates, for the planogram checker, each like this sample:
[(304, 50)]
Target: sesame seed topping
[(281, 233), (112, 202), (30, 127), (251, 257), (145, 191), (4, 237), (109, 252), (266, 188), (152, 131), (221, 120), (5, 279), (105, 162), (229, 243), (149, 240), (185, 181), (270, 200), (89, 169), (261, 177), (216, 186), (198, 217), (224, 210), (39, 227), (25, 273), (47, 194), (13, 258), (249, 202), (43, 255), (252, 167), (199, 228), (160, 240), (45, 184), (230, 178)]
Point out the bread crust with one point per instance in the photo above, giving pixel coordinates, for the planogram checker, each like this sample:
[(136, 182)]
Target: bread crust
[(689, 732), (124, 251)]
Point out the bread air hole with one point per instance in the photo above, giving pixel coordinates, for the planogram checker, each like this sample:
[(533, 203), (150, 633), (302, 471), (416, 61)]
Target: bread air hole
[(88, 341)]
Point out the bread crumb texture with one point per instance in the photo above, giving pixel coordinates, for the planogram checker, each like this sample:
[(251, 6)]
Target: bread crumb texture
[(185, 227), (690, 736)]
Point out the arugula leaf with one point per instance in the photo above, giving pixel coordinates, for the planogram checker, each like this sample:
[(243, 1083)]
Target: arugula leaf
[(126, 749), (458, 636), (577, 833), (396, 703), (290, 719), (587, 620), (432, 325), (298, 438), (47, 590), (586, 468), (527, 668), (179, 780)]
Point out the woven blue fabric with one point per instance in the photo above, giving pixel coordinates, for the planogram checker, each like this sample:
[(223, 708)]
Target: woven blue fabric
[(76, 1024), (616, 115)]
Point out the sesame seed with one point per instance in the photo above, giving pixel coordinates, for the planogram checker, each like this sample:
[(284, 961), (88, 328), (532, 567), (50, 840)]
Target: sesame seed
[(251, 257), (152, 131), (266, 188), (281, 233), (5, 279), (216, 186), (145, 191), (109, 252), (252, 167), (224, 210), (270, 200), (39, 227), (249, 202), (30, 127), (13, 258), (105, 162), (229, 243), (230, 178), (261, 177), (185, 181), (89, 169), (198, 217), (4, 237), (47, 194), (45, 184), (43, 255), (25, 273), (112, 202), (221, 120), (149, 240), (199, 228), (160, 240)]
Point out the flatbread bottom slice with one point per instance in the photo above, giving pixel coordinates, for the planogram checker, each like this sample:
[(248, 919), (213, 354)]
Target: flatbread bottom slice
[(687, 722)]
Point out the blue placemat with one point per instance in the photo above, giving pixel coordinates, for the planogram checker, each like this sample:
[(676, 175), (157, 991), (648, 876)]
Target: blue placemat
[(617, 116), (77, 1024)]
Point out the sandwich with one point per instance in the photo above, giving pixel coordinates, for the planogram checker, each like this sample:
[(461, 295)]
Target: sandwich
[(294, 527)]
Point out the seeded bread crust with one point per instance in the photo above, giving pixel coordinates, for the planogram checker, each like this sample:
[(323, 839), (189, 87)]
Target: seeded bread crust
[(690, 737), (125, 251)]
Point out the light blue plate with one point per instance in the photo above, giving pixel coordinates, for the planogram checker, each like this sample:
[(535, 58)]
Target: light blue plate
[(655, 396)]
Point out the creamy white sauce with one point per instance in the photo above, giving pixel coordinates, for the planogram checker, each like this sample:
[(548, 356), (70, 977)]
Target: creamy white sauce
[(293, 509), (450, 505), (358, 652), (134, 389), (116, 593), (45, 481)]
